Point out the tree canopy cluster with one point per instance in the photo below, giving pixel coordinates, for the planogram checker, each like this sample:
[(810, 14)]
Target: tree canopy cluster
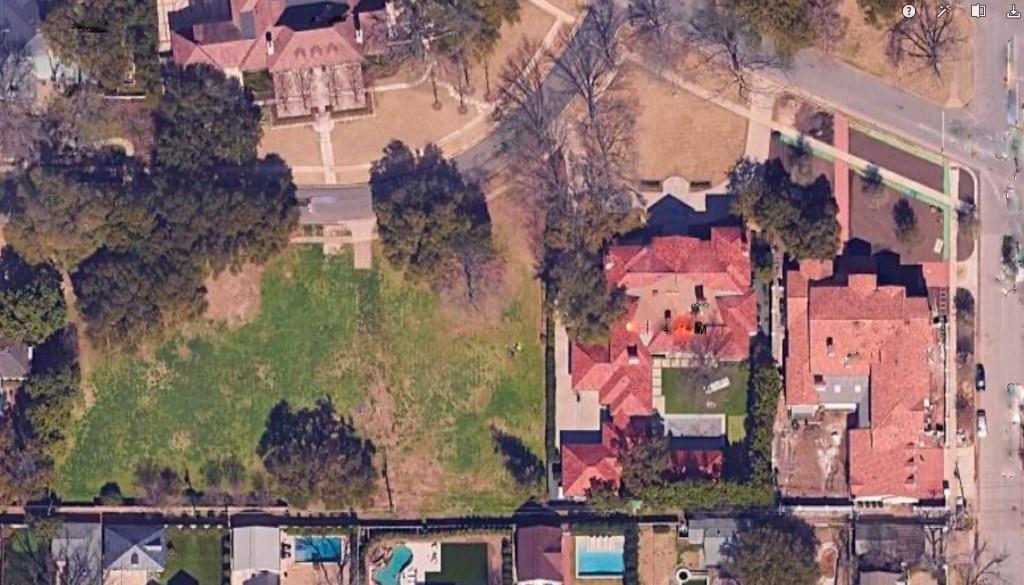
[(770, 554), (139, 241), (32, 304), (33, 431), (803, 218), (433, 223), (112, 41), (316, 456)]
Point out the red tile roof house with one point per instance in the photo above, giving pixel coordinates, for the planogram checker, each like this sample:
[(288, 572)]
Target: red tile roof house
[(663, 281), (858, 347), (313, 50)]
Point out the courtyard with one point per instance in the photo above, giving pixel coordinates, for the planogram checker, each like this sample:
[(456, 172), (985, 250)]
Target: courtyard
[(684, 390)]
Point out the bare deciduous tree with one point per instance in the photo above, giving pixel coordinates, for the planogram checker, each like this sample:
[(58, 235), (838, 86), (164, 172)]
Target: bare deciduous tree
[(928, 38), (981, 566), (585, 63), (22, 126), (729, 40), (828, 24), (531, 117), (652, 18)]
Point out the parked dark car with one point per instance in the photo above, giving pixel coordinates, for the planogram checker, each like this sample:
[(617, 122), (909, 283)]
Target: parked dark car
[(979, 377)]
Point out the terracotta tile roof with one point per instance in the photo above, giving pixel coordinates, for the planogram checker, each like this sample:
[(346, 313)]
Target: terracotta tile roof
[(539, 553), (584, 461), (661, 278), (698, 463), (878, 332), (240, 42)]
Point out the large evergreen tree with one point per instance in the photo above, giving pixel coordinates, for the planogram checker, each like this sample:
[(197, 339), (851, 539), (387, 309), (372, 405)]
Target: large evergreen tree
[(205, 119), (768, 555), (31, 301), (314, 455), (428, 214), (802, 217), (63, 211), (108, 39)]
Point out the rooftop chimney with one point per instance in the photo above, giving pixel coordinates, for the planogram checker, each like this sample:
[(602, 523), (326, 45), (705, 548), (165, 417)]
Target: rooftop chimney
[(819, 382), (830, 347), (359, 28), (634, 356), (270, 43)]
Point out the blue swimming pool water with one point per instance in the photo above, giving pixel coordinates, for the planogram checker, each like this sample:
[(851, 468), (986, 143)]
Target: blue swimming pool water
[(599, 563), (390, 574), (317, 549)]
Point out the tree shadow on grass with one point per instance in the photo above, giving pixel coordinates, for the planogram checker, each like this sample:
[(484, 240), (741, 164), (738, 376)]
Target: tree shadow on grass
[(525, 467)]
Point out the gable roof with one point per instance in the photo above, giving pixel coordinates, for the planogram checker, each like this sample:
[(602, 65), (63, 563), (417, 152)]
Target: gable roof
[(256, 548), (80, 546), (539, 553), (134, 548), (849, 331), (15, 360), (589, 456)]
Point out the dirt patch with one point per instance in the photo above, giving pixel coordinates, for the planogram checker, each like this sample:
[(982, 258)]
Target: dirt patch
[(896, 160), (234, 297), (679, 133), (864, 48), (804, 168), (658, 554), (811, 456), (871, 220)]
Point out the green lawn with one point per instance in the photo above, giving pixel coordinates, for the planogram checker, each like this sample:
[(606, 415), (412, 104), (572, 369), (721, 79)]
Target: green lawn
[(684, 394), (425, 384), (196, 555)]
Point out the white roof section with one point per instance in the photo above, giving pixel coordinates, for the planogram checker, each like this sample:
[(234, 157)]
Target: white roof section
[(256, 548)]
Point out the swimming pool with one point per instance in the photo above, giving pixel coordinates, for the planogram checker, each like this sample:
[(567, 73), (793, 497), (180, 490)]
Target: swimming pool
[(318, 549), (400, 559), (599, 556)]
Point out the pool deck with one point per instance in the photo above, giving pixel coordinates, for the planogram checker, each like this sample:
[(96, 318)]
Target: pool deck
[(309, 573)]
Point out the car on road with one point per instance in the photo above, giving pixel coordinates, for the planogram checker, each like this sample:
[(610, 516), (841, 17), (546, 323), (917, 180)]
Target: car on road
[(982, 425), (979, 377)]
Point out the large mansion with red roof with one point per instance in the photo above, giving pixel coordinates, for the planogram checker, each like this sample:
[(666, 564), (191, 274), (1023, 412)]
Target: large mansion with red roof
[(313, 50), (870, 351), (675, 286)]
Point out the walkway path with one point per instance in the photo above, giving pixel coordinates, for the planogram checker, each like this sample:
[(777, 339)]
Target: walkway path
[(841, 138), (790, 134)]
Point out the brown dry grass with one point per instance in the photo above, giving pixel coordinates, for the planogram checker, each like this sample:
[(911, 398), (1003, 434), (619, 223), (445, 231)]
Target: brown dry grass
[(533, 25), (679, 133), (864, 48), (658, 556), (405, 115), (234, 297), (297, 145)]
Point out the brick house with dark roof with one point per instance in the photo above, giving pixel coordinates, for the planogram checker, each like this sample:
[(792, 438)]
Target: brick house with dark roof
[(859, 347), (672, 284), (539, 558), (313, 50)]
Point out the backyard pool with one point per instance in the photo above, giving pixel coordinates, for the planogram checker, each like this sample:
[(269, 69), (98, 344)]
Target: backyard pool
[(318, 549), (599, 556), (390, 574)]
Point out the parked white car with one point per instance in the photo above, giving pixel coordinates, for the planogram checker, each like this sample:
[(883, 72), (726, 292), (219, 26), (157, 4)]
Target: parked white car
[(982, 425)]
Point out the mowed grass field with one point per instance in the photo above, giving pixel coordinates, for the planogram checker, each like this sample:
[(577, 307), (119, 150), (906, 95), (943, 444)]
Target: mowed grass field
[(426, 383)]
